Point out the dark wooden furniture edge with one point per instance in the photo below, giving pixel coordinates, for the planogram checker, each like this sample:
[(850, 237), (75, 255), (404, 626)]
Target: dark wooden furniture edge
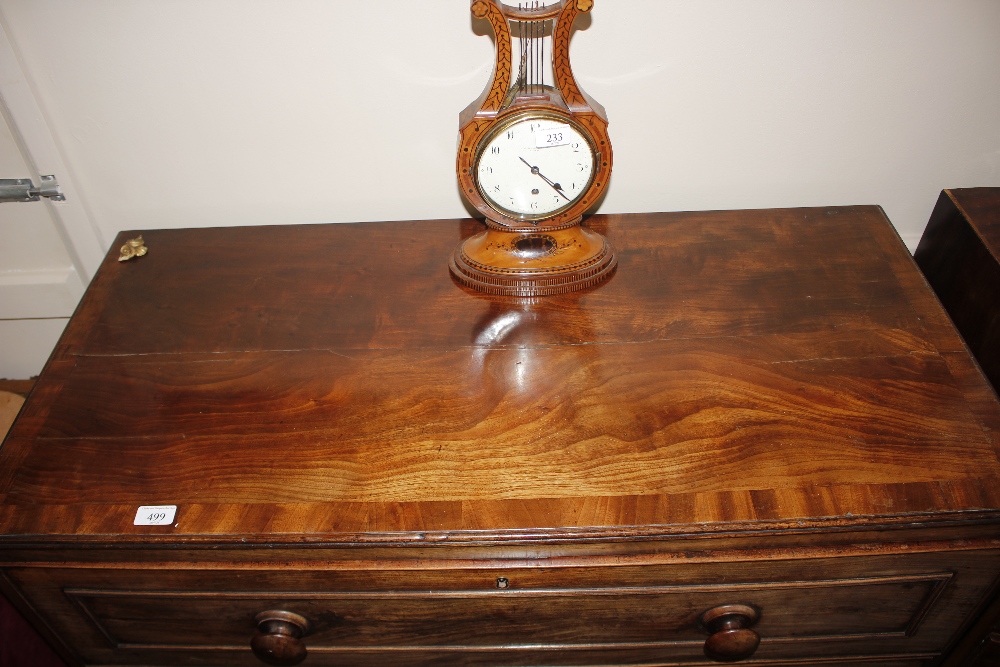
[(38, 623), (961, 265)]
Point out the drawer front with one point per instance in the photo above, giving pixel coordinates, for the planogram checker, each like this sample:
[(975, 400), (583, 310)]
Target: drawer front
[(896, 610)]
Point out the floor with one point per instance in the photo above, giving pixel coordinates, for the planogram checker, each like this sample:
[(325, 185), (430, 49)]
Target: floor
[(10, 403), (20, 645)]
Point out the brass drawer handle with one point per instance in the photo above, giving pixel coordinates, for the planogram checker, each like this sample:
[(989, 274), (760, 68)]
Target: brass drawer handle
[(279, 637), (731, 637)]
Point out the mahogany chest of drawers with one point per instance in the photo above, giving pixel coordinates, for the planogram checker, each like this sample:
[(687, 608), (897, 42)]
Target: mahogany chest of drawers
[(760, 440)]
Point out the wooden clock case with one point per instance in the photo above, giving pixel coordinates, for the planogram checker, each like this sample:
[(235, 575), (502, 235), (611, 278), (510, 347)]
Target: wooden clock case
[(556, 255)]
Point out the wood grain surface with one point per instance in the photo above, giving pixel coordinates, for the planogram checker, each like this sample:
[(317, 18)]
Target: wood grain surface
[(982, 206), (761, 410), (751, 368)]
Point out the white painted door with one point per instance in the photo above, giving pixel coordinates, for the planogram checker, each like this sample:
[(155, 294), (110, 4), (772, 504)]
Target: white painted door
[(39, 286), (48, 250)]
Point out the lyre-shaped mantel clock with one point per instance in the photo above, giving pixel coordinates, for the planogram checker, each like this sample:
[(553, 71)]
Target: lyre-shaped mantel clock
[(533, 155)]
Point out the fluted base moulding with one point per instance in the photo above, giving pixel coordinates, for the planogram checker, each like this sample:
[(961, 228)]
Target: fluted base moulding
[(536, 263)]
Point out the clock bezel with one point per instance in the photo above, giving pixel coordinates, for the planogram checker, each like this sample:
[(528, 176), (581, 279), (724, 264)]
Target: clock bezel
[(517, 118)]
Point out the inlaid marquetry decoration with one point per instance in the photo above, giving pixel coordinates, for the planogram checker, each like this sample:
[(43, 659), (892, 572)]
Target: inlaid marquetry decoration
[(534, 155)]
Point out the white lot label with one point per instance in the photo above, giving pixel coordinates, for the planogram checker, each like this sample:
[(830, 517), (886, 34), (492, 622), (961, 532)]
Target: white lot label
[(554, 135), (155, 515)]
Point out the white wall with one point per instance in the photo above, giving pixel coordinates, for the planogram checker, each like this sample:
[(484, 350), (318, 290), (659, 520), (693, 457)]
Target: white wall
[(227, 112)]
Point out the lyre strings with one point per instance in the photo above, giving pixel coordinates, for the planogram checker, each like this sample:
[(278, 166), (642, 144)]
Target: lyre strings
[(531, 36)]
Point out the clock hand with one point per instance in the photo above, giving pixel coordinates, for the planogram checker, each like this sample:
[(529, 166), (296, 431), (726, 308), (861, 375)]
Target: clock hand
[(555, 186)]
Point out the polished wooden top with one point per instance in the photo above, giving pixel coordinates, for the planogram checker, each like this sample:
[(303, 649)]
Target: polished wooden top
[(742, 370), (981, 207)]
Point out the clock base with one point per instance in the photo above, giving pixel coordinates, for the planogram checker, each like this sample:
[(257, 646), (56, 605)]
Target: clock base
[(536, 263)]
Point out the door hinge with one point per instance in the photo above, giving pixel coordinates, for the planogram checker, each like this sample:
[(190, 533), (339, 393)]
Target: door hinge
[(22, 189)]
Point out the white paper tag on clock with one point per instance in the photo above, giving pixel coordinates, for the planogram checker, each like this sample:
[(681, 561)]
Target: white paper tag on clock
[(553, 135), (155, 515)]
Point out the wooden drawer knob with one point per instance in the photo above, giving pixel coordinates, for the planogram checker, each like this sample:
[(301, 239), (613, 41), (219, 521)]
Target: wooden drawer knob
[(279, 637), (731, 637)]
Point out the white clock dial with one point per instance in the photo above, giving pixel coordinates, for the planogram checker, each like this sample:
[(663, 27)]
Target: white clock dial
[(534, 167)]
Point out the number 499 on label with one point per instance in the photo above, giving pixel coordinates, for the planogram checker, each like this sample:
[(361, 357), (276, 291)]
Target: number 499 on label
[(155, 515)]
